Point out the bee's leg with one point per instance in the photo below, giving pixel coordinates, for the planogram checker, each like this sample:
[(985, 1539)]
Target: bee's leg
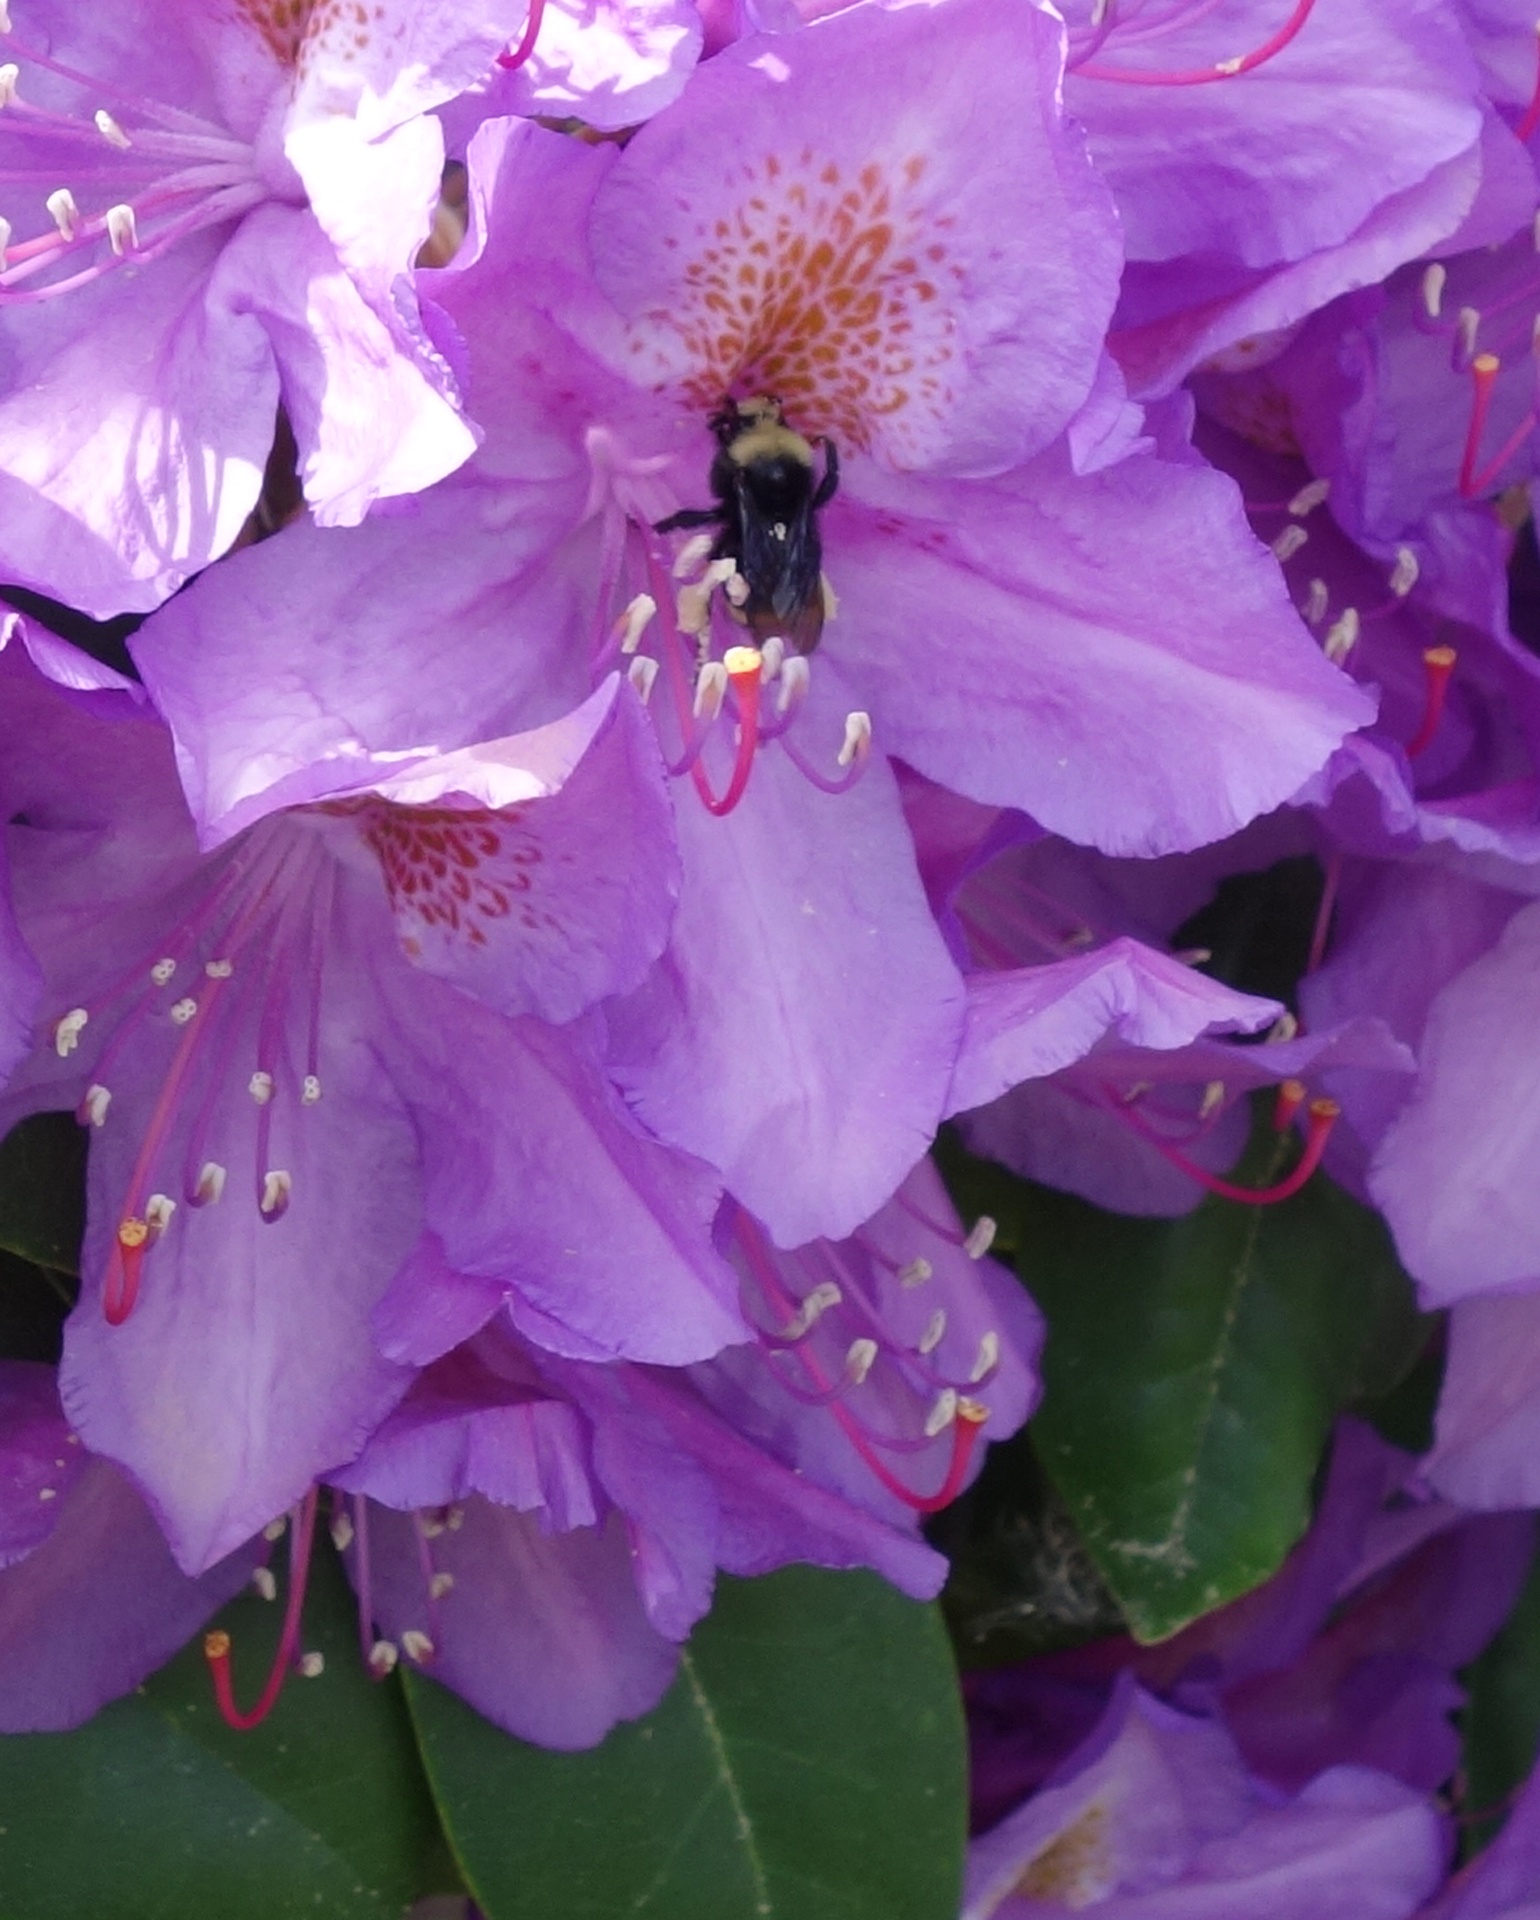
[(828, 486), (690, 517)]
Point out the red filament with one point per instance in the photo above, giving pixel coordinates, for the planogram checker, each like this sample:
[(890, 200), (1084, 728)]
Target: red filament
[(216, 1645), (1474, 479), (1531, 118), (966, 1428), (526, 44), (1200, 76), (1438, 665), (745, 672), (1291, 1097), (1320, 1117)]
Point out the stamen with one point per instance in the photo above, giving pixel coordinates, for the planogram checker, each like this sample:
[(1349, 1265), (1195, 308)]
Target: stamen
[(277, 1185), (935, 1332), (1434, 279), (63, 212), (93, 1108), (211, 1184), (857, 743), (1289, 542), (342, 1530), (5, 239), (980, 1238), (1291, 1097), (1284, 1028), (692, 555), (942, 1414), (1213, 1099), (10, 73), (643, 673), (772, 654), (219, 969), (1342, 636), (1438, 666), (275, 1529), (162, 971), (816, 1304), (988, 1357), (1309, 497), (263, 1580), (312, 1665), (216, 1645), (1317, 600), (1223, 70), (310, 1090), (110, 131), (122, 231), (417, 1646), (259, 1086), (1403, 575), (158, 1210), (526, 44), (743, 667), (383, 1656), (634, 622), (710, 690), (860, 1358), (67, 1031), (796, 677), (440, 1584), (916, 1273)]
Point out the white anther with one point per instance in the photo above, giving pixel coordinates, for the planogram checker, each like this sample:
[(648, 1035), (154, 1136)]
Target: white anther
[(1227, 69), (813, 1308), (1194, 956), (262, 1579), (110, 131), (1284, 1028), (5, 238), (274, 1528), (642, 673), (1317, 600), (10, 73), (67, 1031), (981, 1237), (1467, 325), (795, 678), (158, 1210), (312, 1665), (417, 1646), (1290, 541), (342, 1531), (710, 687), (48, 1493), (736, 588), (1309, 497), (1213, 1099), (219, 969), (857, 743), (719, 573), (916, 1273), (1099, 11), (440, 1584), (431, 1525), (1136, 1092), (935, 1331), (771, 654), (692, 554), (63, 212), (692, 609), (211, 1182), (260, 1086), (942, 1414), (184, 1010), (310, 1090), (454, 1518), (860, 1358), (162, 971), (383, 1656), (5, 17), (1403, 575), (988, 1357), (830, 599), (1434, 278), (277, 1185), (98, 1099), (1341, 636), (634, 622)]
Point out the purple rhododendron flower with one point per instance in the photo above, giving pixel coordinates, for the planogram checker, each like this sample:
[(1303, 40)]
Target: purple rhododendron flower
[(248, 1016), (223, 215), (1155, 1815)]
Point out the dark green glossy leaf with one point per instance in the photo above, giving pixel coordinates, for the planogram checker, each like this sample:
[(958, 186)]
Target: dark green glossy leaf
[(42, 1191), (808, 1764), (156, 1811), (1501, 1723), (1192, 1373)]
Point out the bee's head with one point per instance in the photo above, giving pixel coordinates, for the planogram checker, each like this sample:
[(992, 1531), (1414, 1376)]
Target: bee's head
[(736, 417)]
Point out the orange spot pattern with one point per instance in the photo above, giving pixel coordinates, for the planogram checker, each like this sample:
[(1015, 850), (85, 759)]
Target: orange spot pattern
[(453, 872), (292, 27), (825, 289)]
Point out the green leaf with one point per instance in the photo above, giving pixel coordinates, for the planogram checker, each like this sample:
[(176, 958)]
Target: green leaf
[(156, 1810), (1192, 1373), (808, 1764), (42, 1191), (1501, 1722)]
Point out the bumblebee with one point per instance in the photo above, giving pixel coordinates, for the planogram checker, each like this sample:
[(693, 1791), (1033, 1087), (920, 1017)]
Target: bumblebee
[(767, 518)]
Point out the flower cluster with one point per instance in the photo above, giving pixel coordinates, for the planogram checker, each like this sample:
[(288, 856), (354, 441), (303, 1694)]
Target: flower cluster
[(717, 585)]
